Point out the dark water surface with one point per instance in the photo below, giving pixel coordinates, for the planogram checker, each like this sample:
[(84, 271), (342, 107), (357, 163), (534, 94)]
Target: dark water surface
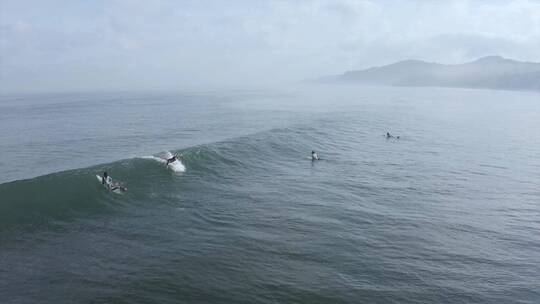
[(449, 213)]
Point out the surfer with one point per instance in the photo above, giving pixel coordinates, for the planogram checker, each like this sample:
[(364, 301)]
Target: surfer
[(173, 159), (106, 179), (314, 155), (391, 136)]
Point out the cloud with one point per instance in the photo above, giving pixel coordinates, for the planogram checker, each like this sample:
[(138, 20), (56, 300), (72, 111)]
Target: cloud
[(62, 45)]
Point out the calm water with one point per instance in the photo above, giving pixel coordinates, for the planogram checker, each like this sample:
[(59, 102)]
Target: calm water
[(449, 213)]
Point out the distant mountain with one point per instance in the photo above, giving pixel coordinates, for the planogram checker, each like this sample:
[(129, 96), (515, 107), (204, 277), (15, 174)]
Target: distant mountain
[(493, 72)]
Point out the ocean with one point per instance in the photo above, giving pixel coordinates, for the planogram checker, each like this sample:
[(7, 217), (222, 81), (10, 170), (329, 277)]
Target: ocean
[(447, 213)]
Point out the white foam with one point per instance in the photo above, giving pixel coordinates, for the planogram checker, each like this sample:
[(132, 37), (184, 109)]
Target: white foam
[(158, 159), (175, 166)]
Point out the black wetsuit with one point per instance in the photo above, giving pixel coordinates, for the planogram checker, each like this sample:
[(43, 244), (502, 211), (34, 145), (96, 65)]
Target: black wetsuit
[(172, 160)]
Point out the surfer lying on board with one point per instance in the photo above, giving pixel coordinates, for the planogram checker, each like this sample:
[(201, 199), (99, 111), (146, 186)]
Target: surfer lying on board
[(391, 136), (107, 181), (173, 159), (314, 155)]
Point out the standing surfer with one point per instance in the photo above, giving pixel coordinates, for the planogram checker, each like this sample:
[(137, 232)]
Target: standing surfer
[(173, 159)]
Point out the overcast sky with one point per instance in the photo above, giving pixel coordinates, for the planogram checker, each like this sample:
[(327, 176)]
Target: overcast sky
[(59, 45)]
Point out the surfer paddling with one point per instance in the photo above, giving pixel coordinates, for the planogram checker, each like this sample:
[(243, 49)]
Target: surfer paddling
[(388, 136), (107, 181)]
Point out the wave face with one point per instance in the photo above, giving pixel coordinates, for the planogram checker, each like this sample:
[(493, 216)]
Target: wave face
[(63, 196), (420, 219), (55, 196)]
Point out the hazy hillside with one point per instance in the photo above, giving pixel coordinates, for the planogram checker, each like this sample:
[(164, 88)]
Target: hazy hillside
[(492, 72)]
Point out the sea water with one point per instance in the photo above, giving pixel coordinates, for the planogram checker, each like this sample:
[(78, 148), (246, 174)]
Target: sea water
[(447, 213)]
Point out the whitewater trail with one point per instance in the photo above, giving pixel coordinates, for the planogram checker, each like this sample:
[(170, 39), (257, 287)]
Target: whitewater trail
[(176, 166)]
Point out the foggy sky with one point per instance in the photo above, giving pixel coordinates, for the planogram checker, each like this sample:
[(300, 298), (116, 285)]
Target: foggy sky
[(59, 45)]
